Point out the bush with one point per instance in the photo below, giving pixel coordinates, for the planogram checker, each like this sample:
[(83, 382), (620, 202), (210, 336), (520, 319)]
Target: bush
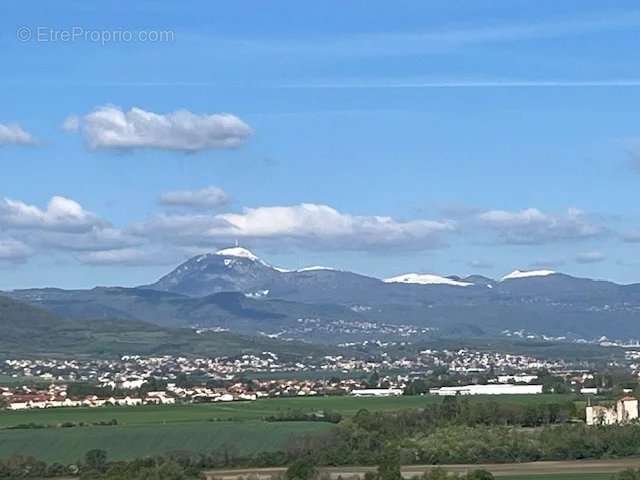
[(302, 469)]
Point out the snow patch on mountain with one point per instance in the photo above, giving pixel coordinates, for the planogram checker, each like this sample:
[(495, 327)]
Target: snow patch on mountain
[(257, 295), (237, 252), (426, 279), (314, 268), (527, 274), (282, 270)]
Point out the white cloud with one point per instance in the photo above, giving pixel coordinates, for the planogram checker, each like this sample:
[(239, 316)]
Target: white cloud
[(126, 257), (444, 39), (13, 251), (98, 238), (61, 214), (14, 134), (63, 226), (110, 127), (207, 197), (590, 257), (531, 226), (71, 124), (191, 228), (310, 225)]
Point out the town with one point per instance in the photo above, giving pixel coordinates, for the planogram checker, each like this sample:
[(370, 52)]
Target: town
[(134, 380)]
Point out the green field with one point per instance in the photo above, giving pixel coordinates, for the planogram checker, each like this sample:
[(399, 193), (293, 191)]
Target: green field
[(148, 430), (257, 410), (67, 445)]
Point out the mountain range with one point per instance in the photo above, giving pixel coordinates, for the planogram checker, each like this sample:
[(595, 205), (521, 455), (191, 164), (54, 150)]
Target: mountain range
[(28, 330), (236, 291)]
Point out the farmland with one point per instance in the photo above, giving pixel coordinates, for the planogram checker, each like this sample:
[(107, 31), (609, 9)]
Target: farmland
[(146, 430), (68, 445), (241, 411)]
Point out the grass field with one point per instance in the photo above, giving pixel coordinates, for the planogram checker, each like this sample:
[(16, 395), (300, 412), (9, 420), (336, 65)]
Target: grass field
[(151, 430), (257, 410), (67, 445)]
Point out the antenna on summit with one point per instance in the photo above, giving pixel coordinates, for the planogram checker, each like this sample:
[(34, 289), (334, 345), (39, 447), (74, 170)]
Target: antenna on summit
[(237, 245)]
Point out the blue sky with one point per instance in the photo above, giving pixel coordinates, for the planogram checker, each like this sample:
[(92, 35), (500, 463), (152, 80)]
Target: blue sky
[(446, 137)]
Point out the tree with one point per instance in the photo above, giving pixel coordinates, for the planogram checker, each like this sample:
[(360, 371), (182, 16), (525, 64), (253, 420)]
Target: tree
[(374, 380), (480, 475), (302, 469), (170, 470), (628, 474), (96, 459), (389, 467), (450, 407), (416, 387)]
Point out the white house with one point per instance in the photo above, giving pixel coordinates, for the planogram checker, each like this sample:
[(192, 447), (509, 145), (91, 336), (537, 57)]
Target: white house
[(624, 411)]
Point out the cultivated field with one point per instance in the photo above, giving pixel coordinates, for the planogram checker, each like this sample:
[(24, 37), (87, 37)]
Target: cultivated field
[(68, 445), (238, 427), (256, 410)]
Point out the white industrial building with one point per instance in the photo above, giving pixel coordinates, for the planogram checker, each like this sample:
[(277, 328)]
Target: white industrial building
[(494, 389), (589, 391), (377, 392)]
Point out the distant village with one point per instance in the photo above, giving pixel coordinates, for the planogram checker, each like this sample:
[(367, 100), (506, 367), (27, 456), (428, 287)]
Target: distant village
[(164, 380)]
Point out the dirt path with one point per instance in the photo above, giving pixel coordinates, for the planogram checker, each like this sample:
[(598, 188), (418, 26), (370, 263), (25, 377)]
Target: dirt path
[(533, 468)]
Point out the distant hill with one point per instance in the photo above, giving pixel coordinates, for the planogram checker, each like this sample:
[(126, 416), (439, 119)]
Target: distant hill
[(28, 330), (232, 310)]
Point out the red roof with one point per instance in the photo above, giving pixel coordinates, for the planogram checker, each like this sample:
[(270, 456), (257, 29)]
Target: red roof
[(29, 398)]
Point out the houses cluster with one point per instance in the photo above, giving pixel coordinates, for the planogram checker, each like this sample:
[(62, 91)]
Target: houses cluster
[(132, 371), (140, 380), (24, 398), (353, 330), (470, 361)]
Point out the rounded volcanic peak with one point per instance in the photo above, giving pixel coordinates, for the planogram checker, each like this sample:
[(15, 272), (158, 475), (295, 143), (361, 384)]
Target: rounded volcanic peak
[(232, 269), (227, 257), (560, 287), (427, 279)]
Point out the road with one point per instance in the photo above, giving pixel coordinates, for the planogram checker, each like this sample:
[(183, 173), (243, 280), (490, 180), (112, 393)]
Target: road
[(504, 469)]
